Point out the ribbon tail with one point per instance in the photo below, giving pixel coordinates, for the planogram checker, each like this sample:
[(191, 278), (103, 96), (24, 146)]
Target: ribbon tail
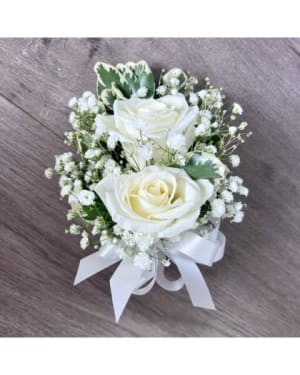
[(194, 282), (91, 265), (123, 282)]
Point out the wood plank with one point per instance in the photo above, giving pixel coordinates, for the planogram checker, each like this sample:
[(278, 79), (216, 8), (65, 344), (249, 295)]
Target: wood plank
[(257, 285)]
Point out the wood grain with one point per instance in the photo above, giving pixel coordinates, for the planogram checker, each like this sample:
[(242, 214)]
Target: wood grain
[(256, 287)]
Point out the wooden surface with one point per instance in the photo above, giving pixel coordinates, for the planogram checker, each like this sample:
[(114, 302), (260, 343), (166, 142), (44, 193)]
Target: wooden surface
[(256, 287)]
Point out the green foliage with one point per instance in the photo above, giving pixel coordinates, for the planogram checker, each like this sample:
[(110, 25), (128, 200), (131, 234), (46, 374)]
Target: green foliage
[(205, 208), (123, 81), (197, 167), (96, 210)]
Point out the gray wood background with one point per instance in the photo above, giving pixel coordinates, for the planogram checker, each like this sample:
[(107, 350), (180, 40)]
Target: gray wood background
[(256, 287)]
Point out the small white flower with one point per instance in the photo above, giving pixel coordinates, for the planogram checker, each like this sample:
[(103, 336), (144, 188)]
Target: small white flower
[(205, 114), (161, 90), (179, 158), (109, 164), (193, 98), (237, 109), (166, 262), (236, 179), (72, 102), (65, 190), (143, 242), (234, 160), (112, 141), (84, 243), (72, 199), (100, 127), (91, 101), (69, 166), (83, 105), (86, 197), (211, 149), (71, 215), (96, 230), (64, 180), (143, 261), (58, 165), (243, 125), (75, 229), (117, 230), (200, 130), (238, 206), (238, 217), (227, 196), (100, 163), (49, 172), (176, 141), (142, 92), (92, 153), (202, 94), (72, 118), (87, 94), (232, 130), (146, 152), (218, 208), (174, 82), (77, 186), (67, 156), (243, 191), (233, 186)]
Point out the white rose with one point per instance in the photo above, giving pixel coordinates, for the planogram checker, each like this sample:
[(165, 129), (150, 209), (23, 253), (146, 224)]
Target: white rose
[(154, 118), (162, 201)]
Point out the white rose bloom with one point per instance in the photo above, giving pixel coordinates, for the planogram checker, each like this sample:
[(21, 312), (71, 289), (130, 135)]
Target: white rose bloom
[(161, 201), (154, 118)]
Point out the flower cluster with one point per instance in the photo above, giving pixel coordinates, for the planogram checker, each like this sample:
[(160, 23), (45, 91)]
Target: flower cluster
[(150, 161)]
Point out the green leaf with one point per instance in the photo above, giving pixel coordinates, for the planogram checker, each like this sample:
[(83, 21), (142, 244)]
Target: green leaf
[(106, 75), (197, 167), (107, 97), (123, 81), (96, 210), (144, 78)]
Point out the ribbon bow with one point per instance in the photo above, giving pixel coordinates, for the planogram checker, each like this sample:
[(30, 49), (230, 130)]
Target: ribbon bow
[(129, 279)]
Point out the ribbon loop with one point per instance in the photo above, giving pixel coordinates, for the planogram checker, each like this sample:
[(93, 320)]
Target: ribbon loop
[(129, 279), (170, 285)]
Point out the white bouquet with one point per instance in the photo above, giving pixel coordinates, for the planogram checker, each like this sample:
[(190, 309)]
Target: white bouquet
[(151, 178)]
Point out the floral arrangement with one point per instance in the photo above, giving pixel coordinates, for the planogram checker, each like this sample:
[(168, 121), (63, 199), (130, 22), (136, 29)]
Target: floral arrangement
[(151, 177)]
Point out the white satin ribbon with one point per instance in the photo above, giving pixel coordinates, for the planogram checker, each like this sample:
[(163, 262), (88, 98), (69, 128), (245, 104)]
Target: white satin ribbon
[(128, 279)]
